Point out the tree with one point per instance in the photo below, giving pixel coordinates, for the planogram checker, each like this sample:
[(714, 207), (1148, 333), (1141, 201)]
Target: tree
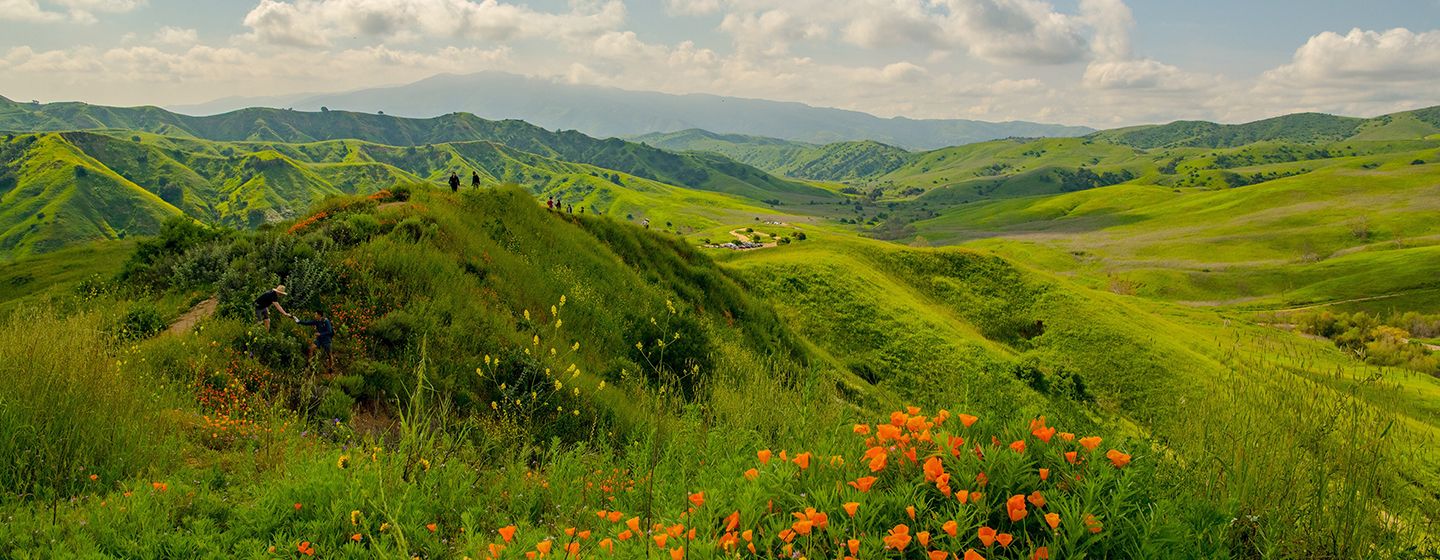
[(324, 109)]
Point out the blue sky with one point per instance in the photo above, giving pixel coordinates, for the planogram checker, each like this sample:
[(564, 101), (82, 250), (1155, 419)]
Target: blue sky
[(1095, 62)]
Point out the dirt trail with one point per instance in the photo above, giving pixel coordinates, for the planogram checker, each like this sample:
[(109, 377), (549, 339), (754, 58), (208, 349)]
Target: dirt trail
[(187, 321), (389, 205)]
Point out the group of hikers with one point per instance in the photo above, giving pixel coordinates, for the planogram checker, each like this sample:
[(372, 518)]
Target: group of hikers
[(554, 203), (455, 181), (324, 329)]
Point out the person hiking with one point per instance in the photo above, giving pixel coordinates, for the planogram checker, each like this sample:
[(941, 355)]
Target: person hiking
[(454, 182), (475, 180), (271, 298), (570, 209), (324, 337), (645, 222), (550, 203)]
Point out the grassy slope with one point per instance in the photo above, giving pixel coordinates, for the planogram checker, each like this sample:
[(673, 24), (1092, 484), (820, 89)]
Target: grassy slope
[(840, 161)]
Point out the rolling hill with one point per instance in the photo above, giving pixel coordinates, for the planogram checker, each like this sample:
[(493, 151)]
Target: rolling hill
[(839, 161), (603, 112)]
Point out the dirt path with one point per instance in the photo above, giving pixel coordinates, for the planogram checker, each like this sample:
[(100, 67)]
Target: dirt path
[(187, 321), (389, 205)]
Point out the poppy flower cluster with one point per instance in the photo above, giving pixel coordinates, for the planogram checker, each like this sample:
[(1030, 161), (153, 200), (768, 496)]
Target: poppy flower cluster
[(935, 462)]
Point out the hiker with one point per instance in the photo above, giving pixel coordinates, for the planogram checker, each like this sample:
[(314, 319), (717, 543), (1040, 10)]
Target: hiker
[(582, 209), (324, 336), (454, 182), (475, 180), (645, 222), (271, 298), (550, 203), (570, 209)]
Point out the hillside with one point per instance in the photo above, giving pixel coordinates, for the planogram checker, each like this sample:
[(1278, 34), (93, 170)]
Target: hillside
[(1299, 128), (581, 366), (603, 112), (840, 161), (277, 125)]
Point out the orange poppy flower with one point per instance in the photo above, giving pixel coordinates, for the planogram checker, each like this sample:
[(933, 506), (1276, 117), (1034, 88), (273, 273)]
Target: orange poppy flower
[(787, 535), (924, 538), (634, 524), (802, 527), (431, 527), (1018, 446), (962, 495), (748, 535), (625, 535), (933, 469), (1042, 553), (544, 546), (1067, 436), (1090, 443), (851, 508), (752, 474), (939, 555), (1044, 474), (615, 516), (732, 521), (607, 545), (356, 537), (1004, 539), (570, 532), (854, 546), (899, 537), (507, 533), (764, 455), (495, 550), (675, 530), (887, 432), (863, 483), (698, 499), (1036, 499), (660, 539), (1117, 458), (911, 511), (862, 429), (987, 536), (531, 555), (1071, 456), (1044, 434), (677, 553), (967, 419), (803, 460), (1053, 519), (950, 527), (970, 554), (572, 549), (954, 443)]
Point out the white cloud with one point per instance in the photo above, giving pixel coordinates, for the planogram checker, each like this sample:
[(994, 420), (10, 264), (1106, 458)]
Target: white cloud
[(26, 11), (317, 23), (770, 32), (1363, 72), (1026, 31), (176, 36)]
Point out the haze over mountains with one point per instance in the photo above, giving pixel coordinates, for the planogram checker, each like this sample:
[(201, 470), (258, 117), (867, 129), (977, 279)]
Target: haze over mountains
[(606, 112)]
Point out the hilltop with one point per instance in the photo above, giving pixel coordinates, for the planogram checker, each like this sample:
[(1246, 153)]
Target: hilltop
[(839, 161), (602, 112)]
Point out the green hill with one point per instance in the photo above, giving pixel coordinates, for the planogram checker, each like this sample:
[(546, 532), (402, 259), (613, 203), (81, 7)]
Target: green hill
[(1299, 128), (840, 161), (284, 126)]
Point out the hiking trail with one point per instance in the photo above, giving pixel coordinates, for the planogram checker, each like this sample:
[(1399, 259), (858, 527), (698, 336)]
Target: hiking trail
[(187, 321)]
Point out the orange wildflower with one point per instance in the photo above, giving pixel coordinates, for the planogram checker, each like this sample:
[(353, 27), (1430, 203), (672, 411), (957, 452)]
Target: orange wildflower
[(732, 521), (1044, 434), (698, 499), (1044, 474), (939, 555), (1004, 539), (854, 546), (607, 545), (625, 535), (677, 553), (764, 455), (1117, 458), (851, 508), (1018, 446), (1090, 443), (899, 537), (924, 538), (660, 539), (355, 537), (802, 527), (1053, 519), (544, 547), (1042, 553), (933, 469), (962, 496), (877, 463), (863, 483), (1036, 498), (950, 527), (752, 474), (887, 432), (967, 419), (572, 549), (803, 460), (634, 524), (431, 527), (987, 536), (911, 511), (970, 554), (862, 429), (1071, 456)]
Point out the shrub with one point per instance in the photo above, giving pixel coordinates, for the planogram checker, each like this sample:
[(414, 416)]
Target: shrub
[(142, 321)]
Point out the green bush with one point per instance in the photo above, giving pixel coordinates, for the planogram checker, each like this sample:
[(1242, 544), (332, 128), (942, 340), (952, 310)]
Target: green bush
[(142, 321)]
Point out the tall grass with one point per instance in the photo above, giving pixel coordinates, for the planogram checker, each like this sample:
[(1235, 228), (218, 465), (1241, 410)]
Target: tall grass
[(68, 410)]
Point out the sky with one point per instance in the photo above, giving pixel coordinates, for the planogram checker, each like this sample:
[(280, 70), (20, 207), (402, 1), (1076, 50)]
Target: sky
[(1101, 63)]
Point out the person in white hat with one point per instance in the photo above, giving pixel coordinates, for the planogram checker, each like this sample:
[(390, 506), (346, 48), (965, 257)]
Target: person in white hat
[(271, 298)]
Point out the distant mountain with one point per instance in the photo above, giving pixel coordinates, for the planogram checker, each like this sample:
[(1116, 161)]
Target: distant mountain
[(610, 112), (839, 161)]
